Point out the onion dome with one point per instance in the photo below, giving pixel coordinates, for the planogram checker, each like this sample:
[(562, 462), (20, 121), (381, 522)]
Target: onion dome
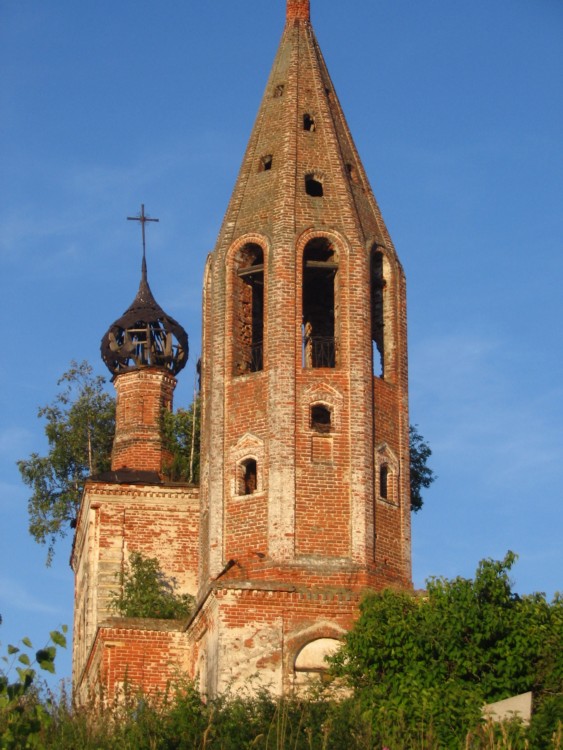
[(145, 336)]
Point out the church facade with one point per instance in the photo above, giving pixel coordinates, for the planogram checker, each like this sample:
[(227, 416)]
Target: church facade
[(303, 503)]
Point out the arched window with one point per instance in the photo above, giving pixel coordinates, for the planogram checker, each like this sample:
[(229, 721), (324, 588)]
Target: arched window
[(310, 663), (377, 294), (321, 418), (386, 475), (248, 310), (248, 477), (319, 309)]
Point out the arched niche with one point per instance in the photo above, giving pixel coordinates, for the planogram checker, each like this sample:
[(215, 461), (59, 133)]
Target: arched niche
[(248, 309), (310, 663), (320, 267)]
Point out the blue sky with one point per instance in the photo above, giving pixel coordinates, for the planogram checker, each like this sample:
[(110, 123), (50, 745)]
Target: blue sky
[(456, 110)]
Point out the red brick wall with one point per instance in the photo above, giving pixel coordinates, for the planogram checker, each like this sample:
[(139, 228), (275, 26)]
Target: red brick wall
[(129, 655), (141, 396), (159, 521), (298, 9), (318, 496)]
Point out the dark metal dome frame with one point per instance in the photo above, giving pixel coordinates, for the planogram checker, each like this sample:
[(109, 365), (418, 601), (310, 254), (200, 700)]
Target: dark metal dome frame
[(145, 336)]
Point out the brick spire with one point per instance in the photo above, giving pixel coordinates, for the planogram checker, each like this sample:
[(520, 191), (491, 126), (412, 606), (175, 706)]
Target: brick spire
[(302, 201), (298, 9), (300, 129)]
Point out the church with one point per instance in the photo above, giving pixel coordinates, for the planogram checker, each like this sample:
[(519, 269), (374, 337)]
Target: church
[(303, 501)]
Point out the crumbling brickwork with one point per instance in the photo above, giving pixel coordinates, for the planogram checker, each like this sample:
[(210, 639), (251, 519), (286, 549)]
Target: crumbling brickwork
[(304, 502), (141, 396), (160, 520), (330, 511)]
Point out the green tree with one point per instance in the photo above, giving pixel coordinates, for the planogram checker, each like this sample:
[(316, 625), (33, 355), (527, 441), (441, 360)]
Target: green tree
[(80, 425), (79, 430), (421, 474), (145, 591), (181, 432), (435, 659)]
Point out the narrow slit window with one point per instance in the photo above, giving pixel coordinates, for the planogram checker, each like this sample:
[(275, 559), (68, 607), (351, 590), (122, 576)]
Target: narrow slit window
[(321, 418), (248, 311), (384, 482), (309, 123), (248, 477), (314, 186), (320, 267), (377, 294)]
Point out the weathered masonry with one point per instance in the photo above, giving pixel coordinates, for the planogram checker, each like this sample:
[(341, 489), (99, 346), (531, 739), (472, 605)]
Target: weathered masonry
[(304, 496)]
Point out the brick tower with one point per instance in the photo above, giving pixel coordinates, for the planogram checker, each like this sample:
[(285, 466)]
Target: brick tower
[(134, 508), (305, 461)]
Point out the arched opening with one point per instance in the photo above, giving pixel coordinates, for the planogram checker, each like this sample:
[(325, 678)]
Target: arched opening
[(310, 663), (247, 477), (320, 267), (314, 186), (266, 163), (386, 478), (377, 294), (321, 418), (248, 310)]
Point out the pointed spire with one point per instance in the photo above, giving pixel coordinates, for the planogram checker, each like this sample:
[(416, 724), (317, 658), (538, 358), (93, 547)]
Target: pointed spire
[(302, 136), (144, 269), (298, 9)]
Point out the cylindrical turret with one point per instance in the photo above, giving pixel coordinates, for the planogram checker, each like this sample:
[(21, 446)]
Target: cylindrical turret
[(143, 350)]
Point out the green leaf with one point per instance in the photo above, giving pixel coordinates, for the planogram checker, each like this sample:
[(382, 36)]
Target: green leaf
[(46, 658), (58, 638), (27, 642), (12, 649), (24, 659)]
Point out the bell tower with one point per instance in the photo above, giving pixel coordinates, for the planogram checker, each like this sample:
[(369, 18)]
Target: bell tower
[(305, 454)]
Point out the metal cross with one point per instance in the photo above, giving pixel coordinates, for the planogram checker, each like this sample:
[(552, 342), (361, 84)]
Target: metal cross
[(143, 219)]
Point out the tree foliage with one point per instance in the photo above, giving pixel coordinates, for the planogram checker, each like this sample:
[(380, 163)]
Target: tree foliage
[(80, 424), (436, 658), (181, 432), (421, 475), (23, 717), (145, 591), (419, 669)]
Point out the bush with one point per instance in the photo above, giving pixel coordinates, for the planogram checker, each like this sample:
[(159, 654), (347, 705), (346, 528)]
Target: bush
[(145, 591), (433, 660)]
